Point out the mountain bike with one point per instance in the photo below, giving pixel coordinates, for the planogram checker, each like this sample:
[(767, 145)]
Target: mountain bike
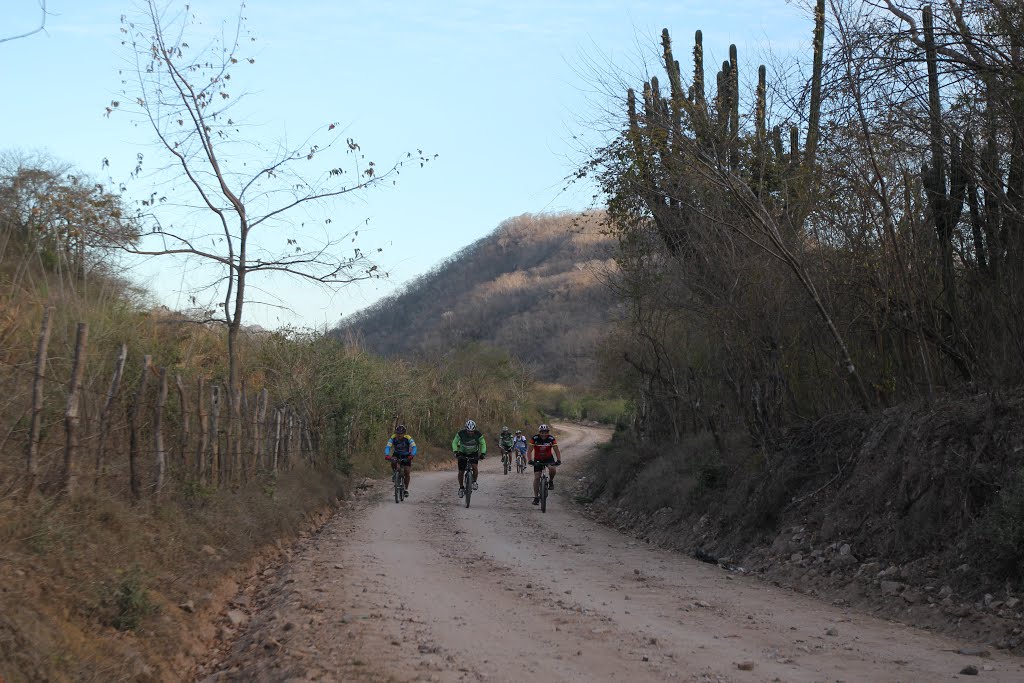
[(520, 461), (506, 459), (467, 477), (398, 479), (545, 483)]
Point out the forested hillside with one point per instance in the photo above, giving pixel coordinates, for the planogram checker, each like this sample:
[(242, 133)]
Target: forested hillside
[(535, 287)]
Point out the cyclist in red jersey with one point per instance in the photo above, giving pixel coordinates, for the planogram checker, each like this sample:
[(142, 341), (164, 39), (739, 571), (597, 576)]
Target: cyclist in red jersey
[(543, 452)]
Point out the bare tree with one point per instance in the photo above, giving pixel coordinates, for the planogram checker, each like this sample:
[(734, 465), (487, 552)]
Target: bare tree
[(247, 200), (41, 27)]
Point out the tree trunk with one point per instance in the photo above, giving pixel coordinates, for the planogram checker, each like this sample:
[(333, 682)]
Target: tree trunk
[(72, 416), (35, 428)]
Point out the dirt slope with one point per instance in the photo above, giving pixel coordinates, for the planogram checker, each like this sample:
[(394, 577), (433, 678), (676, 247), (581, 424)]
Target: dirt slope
[(431, 591)]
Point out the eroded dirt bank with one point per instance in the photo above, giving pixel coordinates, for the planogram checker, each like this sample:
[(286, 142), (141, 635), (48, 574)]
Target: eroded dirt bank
[(431, 591)]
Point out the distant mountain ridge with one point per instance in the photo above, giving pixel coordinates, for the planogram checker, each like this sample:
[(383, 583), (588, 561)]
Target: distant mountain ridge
[(533, 287)]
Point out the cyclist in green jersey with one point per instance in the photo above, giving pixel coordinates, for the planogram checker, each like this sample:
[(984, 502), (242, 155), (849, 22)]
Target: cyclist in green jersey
[(469, 446)]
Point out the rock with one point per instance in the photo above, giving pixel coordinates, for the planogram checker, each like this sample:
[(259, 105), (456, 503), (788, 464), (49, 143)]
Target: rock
[(988, 599), (913, 596), (845, 549), (891, 587), (844, 560), (796, 557), (208, 550), (188, 606), (969, 670), (236, 617), (745, 666), (831, 632), (945, 592), (891, 571), (1012, 603), (974, 651)]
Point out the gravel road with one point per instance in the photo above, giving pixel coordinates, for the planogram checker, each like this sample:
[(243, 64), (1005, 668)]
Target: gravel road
[(429, 590)]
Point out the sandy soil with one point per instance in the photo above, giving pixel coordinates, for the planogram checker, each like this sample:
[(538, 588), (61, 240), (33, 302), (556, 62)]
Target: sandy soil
[(429, 590)]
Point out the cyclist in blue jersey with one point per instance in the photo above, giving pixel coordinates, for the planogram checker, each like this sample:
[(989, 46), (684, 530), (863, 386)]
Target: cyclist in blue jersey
[(400, 451)]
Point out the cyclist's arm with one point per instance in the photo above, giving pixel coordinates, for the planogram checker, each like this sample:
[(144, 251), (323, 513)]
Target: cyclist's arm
[(387, 448), (558, 454), (529, 453), (412, 447), (483, 445), (456, 442)]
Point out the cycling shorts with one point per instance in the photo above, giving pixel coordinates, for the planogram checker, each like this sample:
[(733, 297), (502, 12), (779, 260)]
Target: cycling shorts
[(465, 460), (404, 462), (539, 465)]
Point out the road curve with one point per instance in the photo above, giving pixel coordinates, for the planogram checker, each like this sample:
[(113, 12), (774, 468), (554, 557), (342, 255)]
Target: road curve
[(429, 590)]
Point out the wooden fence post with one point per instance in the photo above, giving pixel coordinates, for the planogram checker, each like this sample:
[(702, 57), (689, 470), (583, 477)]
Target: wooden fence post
[(215, 455), (278, 418), (32, 451), (259, 425), (204, 431), (133, 430), (72, 416), (183, 434), (115, 385), (158, 435)]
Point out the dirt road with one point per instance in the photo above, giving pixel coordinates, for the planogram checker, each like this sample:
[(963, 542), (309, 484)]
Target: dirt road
[(429, 590)]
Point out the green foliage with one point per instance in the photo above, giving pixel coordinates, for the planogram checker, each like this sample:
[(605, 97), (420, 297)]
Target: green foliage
[(574, 404), (129, 602)]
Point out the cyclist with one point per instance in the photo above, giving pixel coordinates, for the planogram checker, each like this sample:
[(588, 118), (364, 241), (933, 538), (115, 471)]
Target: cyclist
[(400, 451), (519, 442), (506, 441), (469, 446), (543, 452)]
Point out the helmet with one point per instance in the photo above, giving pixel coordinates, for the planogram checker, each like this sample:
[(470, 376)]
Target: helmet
[(519, 431), (470, 425), (504, 429), (400, 429), (543, 428)]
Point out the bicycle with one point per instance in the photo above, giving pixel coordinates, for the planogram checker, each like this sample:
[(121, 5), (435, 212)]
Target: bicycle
[(506, 459), (545, 482), (398, 479), (520, 461), (467, 477)]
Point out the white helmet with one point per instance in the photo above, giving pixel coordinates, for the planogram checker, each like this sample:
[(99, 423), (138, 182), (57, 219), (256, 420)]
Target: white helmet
[(504, 429), (543, 428), (470, 425)]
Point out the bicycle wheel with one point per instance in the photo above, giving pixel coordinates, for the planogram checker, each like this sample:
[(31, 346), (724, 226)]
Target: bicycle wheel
[(504, 463), (544, 492), (468, 482), (396, 478)]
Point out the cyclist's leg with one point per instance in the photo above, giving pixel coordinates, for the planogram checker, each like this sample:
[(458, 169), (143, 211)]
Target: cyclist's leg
[(462, 469), (476, 470), (551, 475), (407, 471), (537, 469)]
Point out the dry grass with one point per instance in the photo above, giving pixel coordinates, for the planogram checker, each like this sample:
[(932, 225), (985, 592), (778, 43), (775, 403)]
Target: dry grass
[(92, 587)]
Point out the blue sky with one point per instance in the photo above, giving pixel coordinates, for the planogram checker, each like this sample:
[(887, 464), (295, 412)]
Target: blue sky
[(497, 90)]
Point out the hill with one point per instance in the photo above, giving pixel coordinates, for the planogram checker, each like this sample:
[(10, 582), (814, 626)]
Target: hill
[(534, 287)]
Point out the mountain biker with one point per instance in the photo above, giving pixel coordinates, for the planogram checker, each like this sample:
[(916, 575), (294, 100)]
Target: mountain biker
[(400, 451), (519, 442), (469, 446), (543, 452), (506, 440)]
